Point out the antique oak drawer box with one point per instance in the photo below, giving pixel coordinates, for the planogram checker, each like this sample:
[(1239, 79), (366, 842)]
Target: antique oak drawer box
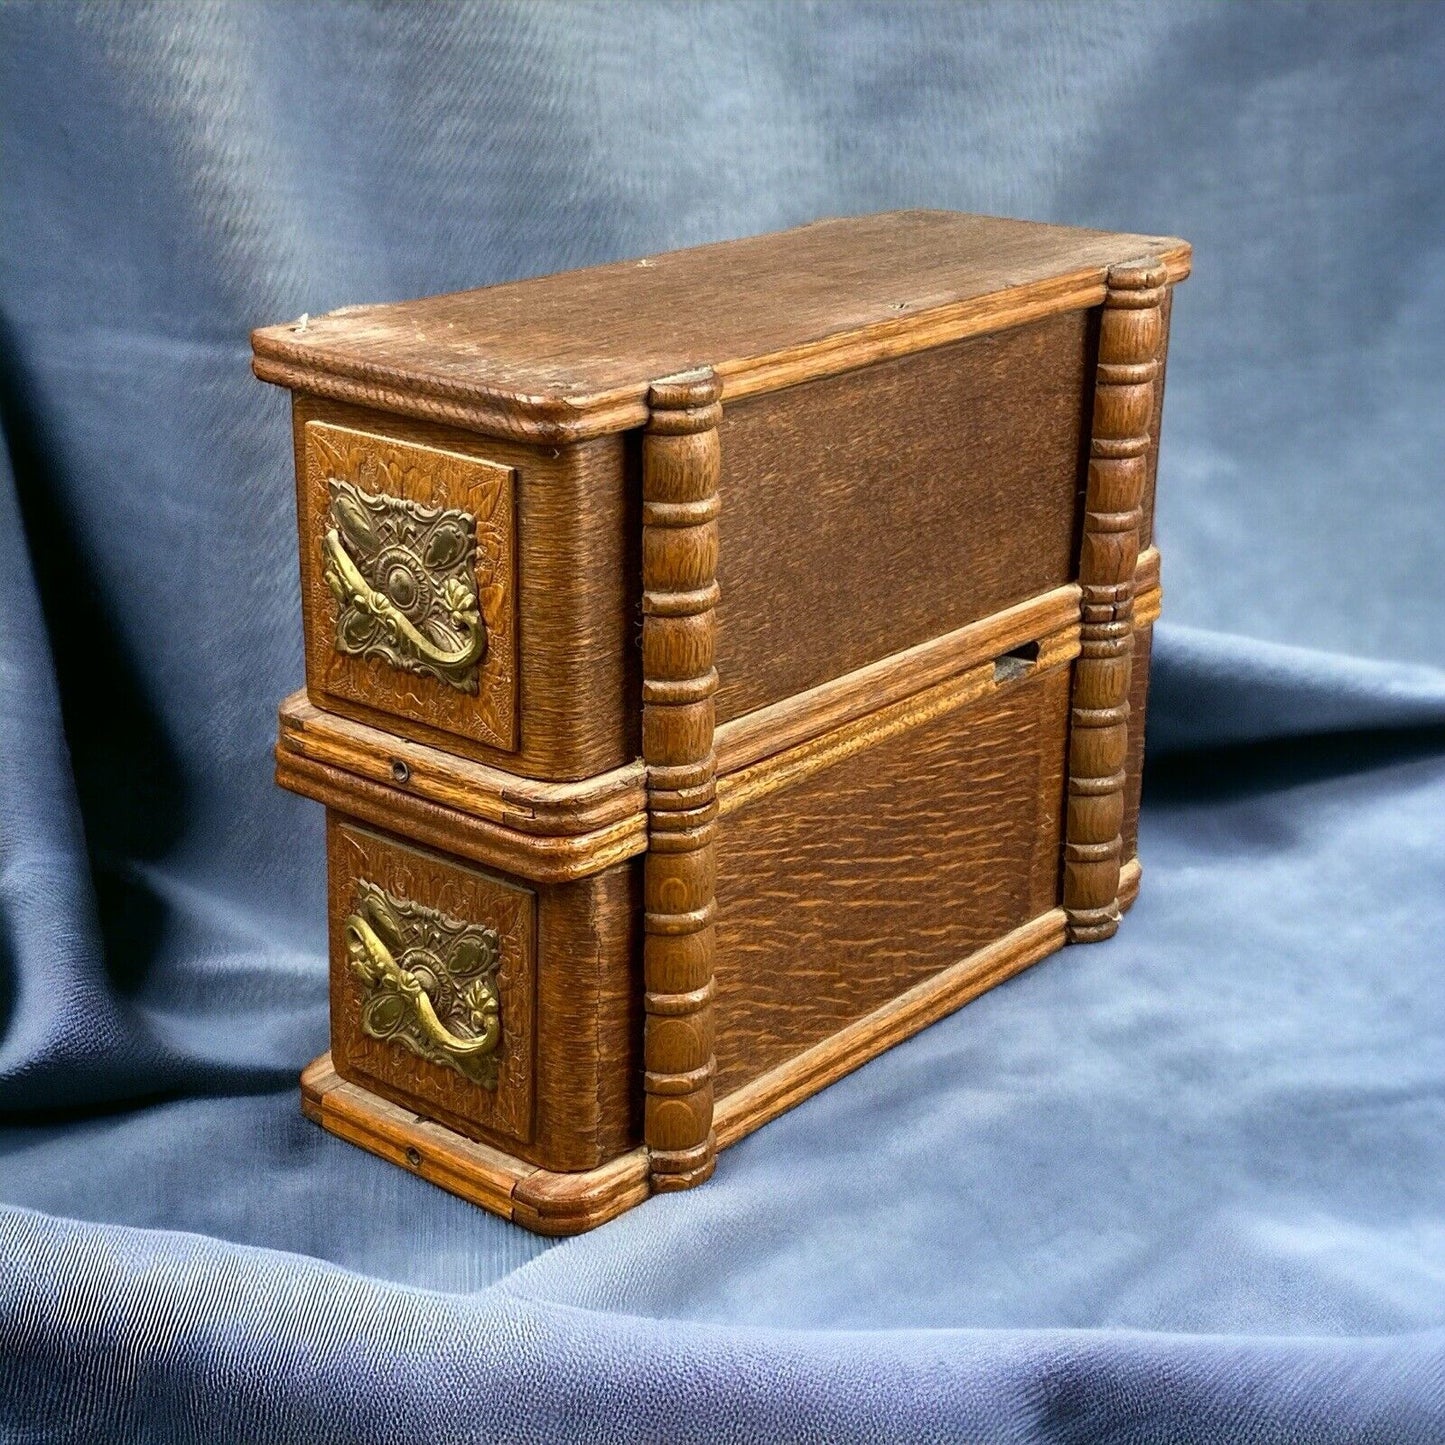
[(718, 667)]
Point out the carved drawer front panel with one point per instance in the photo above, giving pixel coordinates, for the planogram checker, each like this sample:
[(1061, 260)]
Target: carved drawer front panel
[(409, 581), (433, 970)]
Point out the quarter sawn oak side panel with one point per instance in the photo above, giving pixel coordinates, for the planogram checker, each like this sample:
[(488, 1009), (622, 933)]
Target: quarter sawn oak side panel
[(872, 511), (838, 893)]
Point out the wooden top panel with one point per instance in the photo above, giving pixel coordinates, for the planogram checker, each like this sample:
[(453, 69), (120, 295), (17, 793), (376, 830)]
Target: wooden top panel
[(561, 357)]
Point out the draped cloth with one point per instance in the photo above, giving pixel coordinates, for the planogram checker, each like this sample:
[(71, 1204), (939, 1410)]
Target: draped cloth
[(1184, 1185)]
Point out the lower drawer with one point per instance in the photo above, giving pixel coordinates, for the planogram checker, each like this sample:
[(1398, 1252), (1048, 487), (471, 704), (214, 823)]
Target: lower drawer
[(505, 1011), (846, 887)]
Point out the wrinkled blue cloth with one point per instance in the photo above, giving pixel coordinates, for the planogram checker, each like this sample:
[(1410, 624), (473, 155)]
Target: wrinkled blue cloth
[(1188, 1185)]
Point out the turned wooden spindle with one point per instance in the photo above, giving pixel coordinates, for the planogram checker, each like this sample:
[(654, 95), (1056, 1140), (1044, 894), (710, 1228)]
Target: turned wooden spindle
[(680, 463), (1130, 334)]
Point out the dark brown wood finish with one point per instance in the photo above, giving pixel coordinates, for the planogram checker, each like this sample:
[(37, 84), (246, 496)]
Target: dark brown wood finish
[(1130, 336), (870, 512), (562, 357), (1156, 422), (576, 584), (817, 705), (679, 578), (570, 1002), (853, 885)]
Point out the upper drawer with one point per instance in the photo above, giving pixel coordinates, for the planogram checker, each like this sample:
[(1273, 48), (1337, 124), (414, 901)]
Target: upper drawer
[(467, 592), (869, 512)]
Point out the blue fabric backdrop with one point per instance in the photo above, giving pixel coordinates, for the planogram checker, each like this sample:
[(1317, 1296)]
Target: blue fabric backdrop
[(1183, 1186)]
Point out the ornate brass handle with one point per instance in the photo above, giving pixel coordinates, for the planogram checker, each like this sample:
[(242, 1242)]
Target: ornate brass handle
[(398, 1005), (351, 588)]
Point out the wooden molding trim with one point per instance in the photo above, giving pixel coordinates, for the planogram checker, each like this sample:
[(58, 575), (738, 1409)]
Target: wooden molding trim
[(746, 1109), (542, 1201), (491, 794), (1075, 291), (1131, 331), (779, 770), (559, 858), (497, 411), (681, 461), (472, 406)]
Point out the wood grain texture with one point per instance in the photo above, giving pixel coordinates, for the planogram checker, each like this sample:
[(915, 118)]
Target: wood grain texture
[(1130, 335), (409, 875), (872, 512), (559, 358), (831, 653), (795, 1079), (538, 859), (841, 700), (857, 883), (577, 595), (539, 1199), (493, 794), (679, 580), (571, 1005), (434, 477), (784, 770)]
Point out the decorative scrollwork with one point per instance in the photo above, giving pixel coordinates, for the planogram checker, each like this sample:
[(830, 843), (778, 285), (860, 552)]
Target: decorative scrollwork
[(404, 579), (431, 982)]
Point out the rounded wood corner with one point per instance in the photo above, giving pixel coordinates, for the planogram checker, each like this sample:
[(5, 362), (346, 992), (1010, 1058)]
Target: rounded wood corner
[(538, 1199), (563, 1204)]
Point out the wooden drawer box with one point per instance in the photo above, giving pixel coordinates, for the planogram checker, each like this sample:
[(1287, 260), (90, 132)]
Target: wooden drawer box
[(718, 667)]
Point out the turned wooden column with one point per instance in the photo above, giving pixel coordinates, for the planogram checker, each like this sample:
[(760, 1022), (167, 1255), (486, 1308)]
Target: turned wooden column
[(680, 463), (1130, 335)]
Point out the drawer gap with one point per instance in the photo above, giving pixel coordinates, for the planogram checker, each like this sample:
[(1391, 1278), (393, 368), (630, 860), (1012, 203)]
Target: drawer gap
[(1014, 664)]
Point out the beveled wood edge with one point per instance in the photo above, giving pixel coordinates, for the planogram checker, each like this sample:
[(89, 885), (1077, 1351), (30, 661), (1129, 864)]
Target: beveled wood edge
[(939, 326), (494, 411), (539, 1199), (489, 793), (539, 859), (756, 1103)]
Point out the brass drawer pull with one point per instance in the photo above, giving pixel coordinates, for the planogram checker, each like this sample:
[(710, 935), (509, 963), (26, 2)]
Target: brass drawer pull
[(447, 969), (421, 561)]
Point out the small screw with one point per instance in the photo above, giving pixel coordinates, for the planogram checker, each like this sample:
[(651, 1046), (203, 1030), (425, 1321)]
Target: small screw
[(399, 771), (413, 1158)]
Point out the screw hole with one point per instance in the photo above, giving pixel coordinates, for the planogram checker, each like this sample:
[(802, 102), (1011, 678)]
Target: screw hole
[(413, 1157), (400, 771)]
